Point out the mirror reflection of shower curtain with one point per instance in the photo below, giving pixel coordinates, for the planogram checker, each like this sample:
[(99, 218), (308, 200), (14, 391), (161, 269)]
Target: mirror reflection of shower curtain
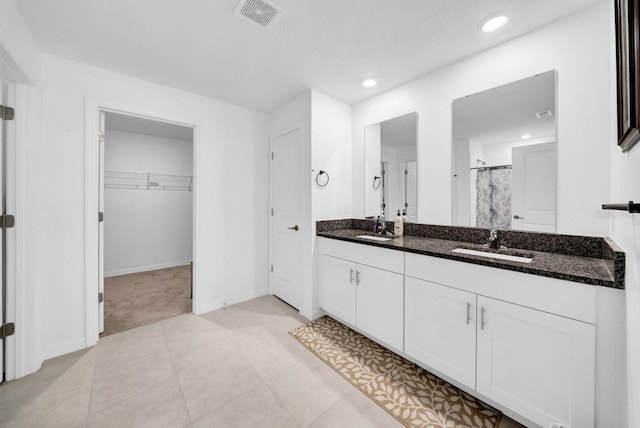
[(493, 200)]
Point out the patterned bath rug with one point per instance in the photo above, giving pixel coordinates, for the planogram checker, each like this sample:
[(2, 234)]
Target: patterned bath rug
[(411, 394)]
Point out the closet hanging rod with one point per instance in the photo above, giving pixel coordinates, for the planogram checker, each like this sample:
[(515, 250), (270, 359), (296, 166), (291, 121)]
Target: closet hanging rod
[(147, 181)]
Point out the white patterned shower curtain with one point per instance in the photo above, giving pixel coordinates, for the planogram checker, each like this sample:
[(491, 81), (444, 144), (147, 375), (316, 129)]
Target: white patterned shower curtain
[(493, 202)]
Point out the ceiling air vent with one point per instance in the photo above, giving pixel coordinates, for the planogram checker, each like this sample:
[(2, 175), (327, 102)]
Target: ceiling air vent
[(259, 12), (544, 114)]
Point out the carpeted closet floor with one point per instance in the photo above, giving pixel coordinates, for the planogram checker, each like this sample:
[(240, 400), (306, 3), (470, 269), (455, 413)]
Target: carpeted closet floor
[(143, 298)]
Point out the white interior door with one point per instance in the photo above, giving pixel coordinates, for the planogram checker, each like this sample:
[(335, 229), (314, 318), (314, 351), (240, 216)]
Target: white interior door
[(287, 187), (2, 254), (534, 188), (101, 138)]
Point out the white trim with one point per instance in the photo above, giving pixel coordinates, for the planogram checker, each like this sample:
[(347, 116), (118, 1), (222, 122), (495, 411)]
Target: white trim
[(246, 296), (11, 343), (219, 304), (146, 268), (92, 109), (209, 307), (313, 316), (68, 347)]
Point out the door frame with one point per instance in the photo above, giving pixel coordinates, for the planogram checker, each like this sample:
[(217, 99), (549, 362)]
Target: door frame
[(92, 129), (271, 225)]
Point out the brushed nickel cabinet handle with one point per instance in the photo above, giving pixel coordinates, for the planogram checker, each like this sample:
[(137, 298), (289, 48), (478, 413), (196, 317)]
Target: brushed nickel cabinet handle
[(351, 276), (517, 217), (468, 313), (357, 277), (482, 319), (294, 228)]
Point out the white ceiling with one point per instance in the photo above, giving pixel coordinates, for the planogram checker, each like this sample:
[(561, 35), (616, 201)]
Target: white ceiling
[(327, 45), (141, 125)]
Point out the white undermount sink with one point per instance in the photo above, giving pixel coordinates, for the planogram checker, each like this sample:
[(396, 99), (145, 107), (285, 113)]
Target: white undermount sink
[(374, 238), (493, 255)]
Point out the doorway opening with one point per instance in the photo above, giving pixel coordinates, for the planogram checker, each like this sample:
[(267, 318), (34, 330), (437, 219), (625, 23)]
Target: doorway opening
[(146, 221)]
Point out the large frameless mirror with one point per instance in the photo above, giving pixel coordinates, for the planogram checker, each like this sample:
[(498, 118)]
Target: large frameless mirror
[(505, 156), (391, 179)]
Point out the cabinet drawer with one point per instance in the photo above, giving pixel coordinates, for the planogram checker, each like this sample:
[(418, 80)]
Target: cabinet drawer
[(381, 258), (565, 298)]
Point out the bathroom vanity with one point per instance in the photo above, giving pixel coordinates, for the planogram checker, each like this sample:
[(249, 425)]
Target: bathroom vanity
[(519, 334)]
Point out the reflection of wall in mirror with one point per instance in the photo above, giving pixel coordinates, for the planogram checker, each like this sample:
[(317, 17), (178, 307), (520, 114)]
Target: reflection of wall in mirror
[(493, 155), (396, 159)]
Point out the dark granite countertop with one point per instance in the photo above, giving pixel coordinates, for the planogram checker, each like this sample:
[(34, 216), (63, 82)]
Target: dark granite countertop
[(587, 260)]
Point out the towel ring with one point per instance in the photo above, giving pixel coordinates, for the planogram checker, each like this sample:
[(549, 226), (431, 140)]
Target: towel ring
[(322, 182), (376, 179)]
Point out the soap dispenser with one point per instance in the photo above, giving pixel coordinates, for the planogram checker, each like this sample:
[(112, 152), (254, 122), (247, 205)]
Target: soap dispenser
[(398, 225), (405, 217)]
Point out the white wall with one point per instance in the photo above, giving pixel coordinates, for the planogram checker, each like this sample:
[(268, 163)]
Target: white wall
[(578, 48), (625, 230), (331, 152), (325, 124), (146, 229), (231, 163), (297, 115), (19, 52)]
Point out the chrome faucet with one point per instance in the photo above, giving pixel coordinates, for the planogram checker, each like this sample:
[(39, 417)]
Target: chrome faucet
[(494, 239), (383, 229)]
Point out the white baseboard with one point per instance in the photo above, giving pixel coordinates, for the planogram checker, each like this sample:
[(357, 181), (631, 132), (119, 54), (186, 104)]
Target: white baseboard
[(208, 307), (146, 268), (312, 316), (76, 345), (246, 296), (219, 304)]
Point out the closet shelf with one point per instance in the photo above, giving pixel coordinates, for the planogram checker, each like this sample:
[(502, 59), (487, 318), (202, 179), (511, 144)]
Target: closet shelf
[(147, 181)]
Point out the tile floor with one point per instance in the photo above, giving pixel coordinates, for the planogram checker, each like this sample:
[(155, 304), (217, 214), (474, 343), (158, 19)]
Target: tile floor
[(235, 367)]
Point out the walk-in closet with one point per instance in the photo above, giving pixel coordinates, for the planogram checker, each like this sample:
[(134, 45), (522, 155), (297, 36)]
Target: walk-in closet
[(147, 220)]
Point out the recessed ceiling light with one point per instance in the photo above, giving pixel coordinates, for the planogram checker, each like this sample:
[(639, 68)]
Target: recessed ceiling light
[(369, 83), (494, 24), (525, 136)]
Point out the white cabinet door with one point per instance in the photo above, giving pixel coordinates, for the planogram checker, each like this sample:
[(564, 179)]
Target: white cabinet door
[(338, 288), (440, 329), (539, 365), (380, 301)]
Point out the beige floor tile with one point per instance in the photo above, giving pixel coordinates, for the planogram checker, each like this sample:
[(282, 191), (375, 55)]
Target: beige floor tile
[(355, 410), (308, 391), (113, 384), (257, 408), (158, 406), (236, 317), (209, 386), (197, 347), (271, 354), (59, 401), (183, 324), (144, 343)]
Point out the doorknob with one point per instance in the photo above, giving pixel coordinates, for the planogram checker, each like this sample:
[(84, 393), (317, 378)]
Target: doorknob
[(294, 228), (517, 217)]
